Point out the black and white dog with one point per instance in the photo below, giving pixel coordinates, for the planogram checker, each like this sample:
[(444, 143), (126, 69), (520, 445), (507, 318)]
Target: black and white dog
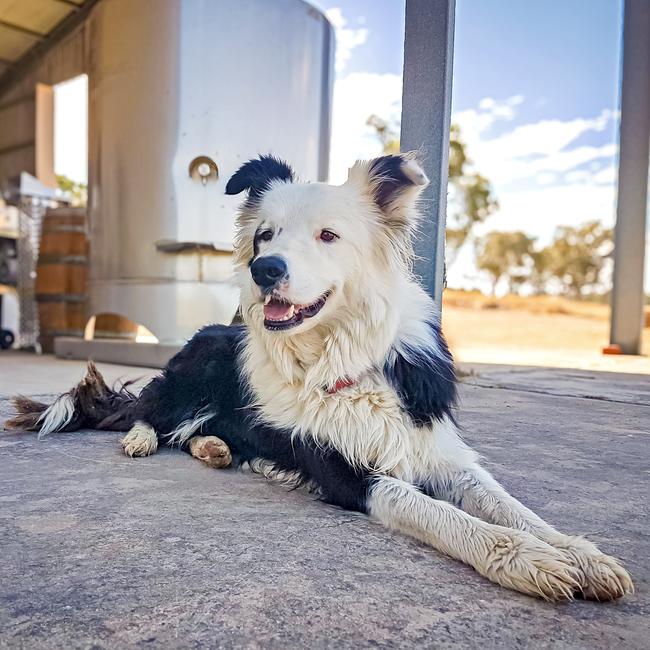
[(340, 379)]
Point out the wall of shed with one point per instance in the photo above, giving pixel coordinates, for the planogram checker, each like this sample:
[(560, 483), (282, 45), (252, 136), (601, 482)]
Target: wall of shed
[(65, 60)]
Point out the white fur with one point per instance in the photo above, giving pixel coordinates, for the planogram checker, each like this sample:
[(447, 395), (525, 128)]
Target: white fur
[(279, 476), (185, 430), (56, 416), (413, 171), (601, 576), (511, 558), (141, 440), (376, 309)]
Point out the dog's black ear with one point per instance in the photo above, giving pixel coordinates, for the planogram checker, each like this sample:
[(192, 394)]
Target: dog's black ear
[(392, 177), (393, 184), (256, 176)]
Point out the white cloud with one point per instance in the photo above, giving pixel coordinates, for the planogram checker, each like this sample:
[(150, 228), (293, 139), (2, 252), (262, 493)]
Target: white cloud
[(475, 122), (539, 211), (608, 175), (500, 109), (541, 179), (550, 136), (357, 96), (529, 149), (578, 176), (546, 178), (347, 38)]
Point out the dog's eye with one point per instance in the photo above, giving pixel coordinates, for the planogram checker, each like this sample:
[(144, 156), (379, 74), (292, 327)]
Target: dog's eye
[(265, 235), (328, 236)]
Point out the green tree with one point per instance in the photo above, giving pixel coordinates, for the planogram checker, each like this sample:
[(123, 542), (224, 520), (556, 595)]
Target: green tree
[(471, 198), (540, 273), (386, 134), (505, 254), (576, 257), (78, 192)]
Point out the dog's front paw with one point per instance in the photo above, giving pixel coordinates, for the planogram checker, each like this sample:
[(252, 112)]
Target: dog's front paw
[(519, 561), (211, 450), (601, 576)]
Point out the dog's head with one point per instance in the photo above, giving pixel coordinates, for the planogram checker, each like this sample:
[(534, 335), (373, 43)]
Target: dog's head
[(306, 251)]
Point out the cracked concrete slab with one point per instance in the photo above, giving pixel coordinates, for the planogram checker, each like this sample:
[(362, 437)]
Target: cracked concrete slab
[(103, 551), (626, 388)]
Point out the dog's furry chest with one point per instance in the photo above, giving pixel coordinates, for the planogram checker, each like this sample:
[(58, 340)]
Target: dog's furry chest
[(365, 422)]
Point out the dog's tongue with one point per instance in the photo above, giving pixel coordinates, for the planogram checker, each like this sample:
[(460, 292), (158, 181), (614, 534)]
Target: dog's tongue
[(276, 310)]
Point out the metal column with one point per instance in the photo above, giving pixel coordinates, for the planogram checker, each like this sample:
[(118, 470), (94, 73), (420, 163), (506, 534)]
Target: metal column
[(630, 232), (426, 116)]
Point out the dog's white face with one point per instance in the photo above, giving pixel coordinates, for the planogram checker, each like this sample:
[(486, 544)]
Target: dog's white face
[(305, 250), (312, 237)]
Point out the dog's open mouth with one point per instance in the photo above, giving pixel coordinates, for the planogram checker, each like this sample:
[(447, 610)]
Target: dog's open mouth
[(282, 315)]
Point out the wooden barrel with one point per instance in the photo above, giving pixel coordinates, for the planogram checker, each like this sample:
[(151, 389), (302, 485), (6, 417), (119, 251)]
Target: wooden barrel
[(61, 275)]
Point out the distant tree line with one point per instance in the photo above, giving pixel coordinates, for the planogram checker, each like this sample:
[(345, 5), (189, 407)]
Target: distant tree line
[(573, 264)]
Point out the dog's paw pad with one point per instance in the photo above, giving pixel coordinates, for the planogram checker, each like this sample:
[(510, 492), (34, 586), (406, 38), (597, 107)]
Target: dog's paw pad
[(211, 450)]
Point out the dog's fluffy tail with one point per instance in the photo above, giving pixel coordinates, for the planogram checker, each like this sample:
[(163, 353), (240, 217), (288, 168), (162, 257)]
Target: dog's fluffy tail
[(90, 404)]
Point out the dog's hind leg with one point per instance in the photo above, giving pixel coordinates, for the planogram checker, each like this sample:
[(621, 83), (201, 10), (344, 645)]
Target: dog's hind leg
[(141, 440), (479, 494), (512, 558)]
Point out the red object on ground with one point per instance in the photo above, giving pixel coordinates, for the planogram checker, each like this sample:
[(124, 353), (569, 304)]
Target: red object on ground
[(612, 348)]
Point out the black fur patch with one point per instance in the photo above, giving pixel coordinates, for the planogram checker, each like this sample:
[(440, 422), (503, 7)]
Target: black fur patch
[(256, 244), (392, 179), (95, 406), (256, 176), (205, 376), (425, 381)]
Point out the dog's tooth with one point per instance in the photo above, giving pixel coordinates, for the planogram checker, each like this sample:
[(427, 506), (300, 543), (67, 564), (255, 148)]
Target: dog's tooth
[(267, 300), (292, 310)]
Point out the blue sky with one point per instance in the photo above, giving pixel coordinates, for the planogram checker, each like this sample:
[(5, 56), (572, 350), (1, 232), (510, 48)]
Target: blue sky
[(535, 94), (560, 54)]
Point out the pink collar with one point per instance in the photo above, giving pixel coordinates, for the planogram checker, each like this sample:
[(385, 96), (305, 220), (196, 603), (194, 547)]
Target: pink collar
[(340, 385)]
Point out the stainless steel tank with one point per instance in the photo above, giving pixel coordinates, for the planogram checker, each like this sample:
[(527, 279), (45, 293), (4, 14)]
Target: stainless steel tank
[(181, 92)]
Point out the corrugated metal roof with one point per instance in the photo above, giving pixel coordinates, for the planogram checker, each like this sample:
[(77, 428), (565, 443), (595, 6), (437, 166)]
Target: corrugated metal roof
[(26, 23)]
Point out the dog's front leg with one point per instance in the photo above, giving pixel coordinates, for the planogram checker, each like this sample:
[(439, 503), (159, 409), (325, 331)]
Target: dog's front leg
[(512, 558), (479, 494)]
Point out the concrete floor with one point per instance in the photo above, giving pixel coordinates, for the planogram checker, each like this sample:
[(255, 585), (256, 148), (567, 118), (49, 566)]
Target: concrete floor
[(100, 551), (33, 374)]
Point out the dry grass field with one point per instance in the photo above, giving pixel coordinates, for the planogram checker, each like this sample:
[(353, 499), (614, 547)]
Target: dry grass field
[(536, 330)]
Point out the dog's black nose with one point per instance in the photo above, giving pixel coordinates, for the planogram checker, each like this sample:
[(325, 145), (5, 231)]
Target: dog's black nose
[(268, 271)]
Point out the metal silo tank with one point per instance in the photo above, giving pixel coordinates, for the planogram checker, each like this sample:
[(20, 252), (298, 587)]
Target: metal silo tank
[(173, 81)]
